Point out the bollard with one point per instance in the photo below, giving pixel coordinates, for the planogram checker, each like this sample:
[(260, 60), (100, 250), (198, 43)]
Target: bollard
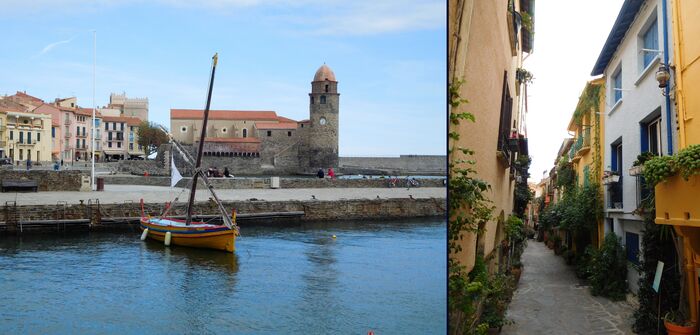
[(168, 236), (144, 234)]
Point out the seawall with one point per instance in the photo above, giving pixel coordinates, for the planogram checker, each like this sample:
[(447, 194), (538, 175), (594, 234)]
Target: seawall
[(248, 183), (95, 216)]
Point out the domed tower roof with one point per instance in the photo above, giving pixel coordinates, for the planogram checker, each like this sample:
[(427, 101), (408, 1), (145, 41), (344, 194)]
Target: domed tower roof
[(324, 73)]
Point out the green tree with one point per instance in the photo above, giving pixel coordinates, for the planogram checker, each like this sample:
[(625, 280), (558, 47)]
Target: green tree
[(151, 136)]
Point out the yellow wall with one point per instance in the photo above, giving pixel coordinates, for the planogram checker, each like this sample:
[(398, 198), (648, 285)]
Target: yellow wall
[(482, 25), (686, 29), (596, 147)]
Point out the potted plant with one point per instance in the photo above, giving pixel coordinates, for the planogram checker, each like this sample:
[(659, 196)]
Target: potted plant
[(677, 323), (638, 165), (516, 270)]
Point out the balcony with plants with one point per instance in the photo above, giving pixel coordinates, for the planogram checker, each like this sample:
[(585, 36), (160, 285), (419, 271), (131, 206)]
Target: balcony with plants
[(676, 183)]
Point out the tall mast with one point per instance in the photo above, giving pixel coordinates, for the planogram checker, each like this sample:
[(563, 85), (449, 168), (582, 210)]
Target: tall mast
[(201, 141)]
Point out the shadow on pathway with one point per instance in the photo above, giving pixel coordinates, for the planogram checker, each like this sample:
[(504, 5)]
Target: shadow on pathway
[(550, 300)]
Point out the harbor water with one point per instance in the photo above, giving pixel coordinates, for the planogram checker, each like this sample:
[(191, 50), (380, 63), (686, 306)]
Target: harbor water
[(388, 277)]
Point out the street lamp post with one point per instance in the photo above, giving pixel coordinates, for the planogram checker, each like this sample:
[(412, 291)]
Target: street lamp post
[(94, 65)]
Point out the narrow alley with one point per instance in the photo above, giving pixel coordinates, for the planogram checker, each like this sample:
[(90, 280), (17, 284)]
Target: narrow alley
[(550, 300)]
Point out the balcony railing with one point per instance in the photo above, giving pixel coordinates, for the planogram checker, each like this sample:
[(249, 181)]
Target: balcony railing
[(615, 194)]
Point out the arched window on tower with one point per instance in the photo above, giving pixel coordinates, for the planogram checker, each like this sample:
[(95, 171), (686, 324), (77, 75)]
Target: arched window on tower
[(245, 132), (323, 99), (326, 88), (312, 100)]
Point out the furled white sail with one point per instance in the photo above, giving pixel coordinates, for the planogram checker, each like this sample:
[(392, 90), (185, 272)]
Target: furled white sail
[(175, 175)]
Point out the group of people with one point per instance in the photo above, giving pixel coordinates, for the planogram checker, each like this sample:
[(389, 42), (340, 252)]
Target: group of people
[(214, 172), (321, 174)]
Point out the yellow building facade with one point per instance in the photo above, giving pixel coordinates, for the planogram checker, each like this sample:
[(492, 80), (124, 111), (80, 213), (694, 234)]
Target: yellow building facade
[(677, 199), (486, 45), (587, 151)]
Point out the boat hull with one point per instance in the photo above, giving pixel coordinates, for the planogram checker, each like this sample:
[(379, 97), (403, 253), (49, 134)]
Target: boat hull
[(196, 235)]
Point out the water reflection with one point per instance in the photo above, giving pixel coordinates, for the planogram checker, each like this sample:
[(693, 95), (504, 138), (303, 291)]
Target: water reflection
[(320, 280)]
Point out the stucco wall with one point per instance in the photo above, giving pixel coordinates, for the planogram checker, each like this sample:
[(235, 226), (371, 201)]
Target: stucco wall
[(641, 97), (486, 27)]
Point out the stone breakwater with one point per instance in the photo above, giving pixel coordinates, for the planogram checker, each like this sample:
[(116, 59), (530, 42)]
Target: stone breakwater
[(46, 180), (15, 217), (251, 183)]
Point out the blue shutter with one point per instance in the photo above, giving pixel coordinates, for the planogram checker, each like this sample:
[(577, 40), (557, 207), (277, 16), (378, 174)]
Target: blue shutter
[(632, 247)]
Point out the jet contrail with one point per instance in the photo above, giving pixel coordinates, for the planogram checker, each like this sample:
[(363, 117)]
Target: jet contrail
[(53, 45)]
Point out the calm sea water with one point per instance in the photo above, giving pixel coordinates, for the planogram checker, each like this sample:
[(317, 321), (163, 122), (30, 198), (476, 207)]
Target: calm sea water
[(388, 277)]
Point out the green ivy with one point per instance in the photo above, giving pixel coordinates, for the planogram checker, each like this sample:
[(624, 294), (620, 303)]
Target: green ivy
[(566, 176)]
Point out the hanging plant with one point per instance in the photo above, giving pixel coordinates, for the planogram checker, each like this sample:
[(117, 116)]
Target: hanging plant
[(523, 76)]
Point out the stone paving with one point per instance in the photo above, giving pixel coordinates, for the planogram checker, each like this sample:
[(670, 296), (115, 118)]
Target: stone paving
[(551, 300), (160, 194)]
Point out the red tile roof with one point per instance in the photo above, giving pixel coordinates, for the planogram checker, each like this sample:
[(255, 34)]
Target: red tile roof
[(230, 140), (198, 114), (272, 125), (284, 119), (132, 121), (86, 111), (27, 97)]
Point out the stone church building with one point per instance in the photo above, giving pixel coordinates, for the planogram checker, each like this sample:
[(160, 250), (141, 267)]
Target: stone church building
[(262, 142)]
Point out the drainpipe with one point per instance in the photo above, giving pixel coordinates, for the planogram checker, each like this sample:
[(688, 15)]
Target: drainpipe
[(669, 134)]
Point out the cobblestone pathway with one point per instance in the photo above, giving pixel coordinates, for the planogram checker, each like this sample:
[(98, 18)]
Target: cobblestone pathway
[(550, 300)]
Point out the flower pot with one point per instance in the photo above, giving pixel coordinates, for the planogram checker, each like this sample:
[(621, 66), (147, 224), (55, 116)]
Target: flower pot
[(674, 329), (516, 273)]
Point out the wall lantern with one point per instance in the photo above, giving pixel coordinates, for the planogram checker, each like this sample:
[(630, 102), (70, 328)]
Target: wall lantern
[(663, 75)]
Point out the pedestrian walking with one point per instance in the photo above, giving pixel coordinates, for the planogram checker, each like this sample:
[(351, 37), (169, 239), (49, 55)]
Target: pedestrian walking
[(29, 163), (319, 173), (61, 161), (331, 174)]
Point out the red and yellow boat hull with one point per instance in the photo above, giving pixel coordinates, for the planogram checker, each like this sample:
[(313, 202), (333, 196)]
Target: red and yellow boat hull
[(196, 234)]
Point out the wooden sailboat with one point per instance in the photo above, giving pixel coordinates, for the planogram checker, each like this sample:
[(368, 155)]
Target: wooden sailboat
[(186, 232)]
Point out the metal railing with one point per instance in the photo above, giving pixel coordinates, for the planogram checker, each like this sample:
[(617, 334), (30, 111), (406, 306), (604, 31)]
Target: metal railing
[(615, 195)]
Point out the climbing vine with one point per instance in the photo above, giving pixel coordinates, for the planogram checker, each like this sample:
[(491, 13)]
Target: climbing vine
[(469, 210)]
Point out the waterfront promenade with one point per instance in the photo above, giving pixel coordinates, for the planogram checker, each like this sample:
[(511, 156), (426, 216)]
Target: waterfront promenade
[(159, 194)]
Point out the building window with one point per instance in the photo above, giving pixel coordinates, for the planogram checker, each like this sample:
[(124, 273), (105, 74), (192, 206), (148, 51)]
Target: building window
[(632, 247), (12, 133), (109, 136), (119, 144), (289, 133), (131, 146), (269, 133), (183, 129), (29, 137), (53, 132), (586, 173), (323, 99), (121, 126), (617, 86), (106, 125), (77, 143), (302, 125), (84, 144), (109, 144), (506, 116), (224, 130), (21, 154), (654, 136), (326, 89), (312, 100), (245, 132), (650, 42), (21, 137), (83, 131), (38, 136)]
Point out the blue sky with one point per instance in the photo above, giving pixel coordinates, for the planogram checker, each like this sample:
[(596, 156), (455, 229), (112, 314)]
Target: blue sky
[(388, 56)]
